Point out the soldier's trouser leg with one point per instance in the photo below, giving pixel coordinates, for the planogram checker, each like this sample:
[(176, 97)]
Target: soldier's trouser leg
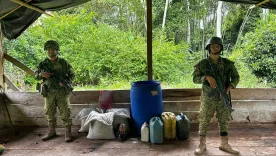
[(207, 110), (223, 116), (65, 112), (50, 113), (63, 104)]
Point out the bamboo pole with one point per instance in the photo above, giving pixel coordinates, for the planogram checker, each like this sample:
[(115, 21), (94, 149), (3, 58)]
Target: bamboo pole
[(31, 7), (13, 10), (263, 2)]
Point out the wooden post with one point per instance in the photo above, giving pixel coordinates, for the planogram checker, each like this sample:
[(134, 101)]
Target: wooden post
[(1, 60), (2, 119), (149, 38), (19, 64), (31, 7)]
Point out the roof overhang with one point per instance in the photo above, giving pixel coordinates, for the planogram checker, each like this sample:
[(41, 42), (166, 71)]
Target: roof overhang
[(16, 18), (17, 15), (269, 4)]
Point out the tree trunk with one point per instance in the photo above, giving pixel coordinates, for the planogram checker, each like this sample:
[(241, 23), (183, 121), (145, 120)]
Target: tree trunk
[(165, 13), (189, 26), (145, 17), (219, 18), (265, 14)]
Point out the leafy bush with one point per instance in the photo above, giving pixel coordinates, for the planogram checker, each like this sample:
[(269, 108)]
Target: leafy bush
[(99, 53), (260, 50)]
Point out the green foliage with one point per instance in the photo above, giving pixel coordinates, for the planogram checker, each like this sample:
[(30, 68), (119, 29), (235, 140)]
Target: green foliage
[(105, 42), (233, 22), (100, 54), (247, 79), (169, 60), (178, 18), (126, 15), (260, 50)]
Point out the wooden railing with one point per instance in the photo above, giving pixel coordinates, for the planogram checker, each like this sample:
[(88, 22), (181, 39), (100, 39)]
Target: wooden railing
[(251, 105)]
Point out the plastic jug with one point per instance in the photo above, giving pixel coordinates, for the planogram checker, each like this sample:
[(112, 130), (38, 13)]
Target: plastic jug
[(145, 132), (182, 127), (169, 122), (156, 130)]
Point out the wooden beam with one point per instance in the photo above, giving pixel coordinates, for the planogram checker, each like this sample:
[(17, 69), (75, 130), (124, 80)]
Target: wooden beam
[(19, 64), (263, 2), (149, 38), (10, 84), (123, 96), (13, 10), (31, 7)]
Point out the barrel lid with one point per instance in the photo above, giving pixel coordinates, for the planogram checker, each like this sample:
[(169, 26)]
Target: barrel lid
[(144, 83)]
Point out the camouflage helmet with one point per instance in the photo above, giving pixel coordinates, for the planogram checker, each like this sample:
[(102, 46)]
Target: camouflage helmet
[(51, 44), (214, 40)]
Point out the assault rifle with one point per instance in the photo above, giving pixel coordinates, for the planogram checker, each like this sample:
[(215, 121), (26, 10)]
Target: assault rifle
[(57, 76), (221, 88)]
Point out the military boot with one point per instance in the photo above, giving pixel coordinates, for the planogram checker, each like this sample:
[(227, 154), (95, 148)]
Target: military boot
[(202, 146), (68, 135), (224, 146), (51, 134)]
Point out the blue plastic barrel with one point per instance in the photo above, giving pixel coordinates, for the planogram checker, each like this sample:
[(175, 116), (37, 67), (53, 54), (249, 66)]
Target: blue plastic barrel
[(146, 102)]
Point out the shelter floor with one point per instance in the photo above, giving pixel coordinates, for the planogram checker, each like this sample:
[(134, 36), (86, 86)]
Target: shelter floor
[(249, 139)]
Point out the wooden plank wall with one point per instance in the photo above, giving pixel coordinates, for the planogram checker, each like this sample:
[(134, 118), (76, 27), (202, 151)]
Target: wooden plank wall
[(251, 105)]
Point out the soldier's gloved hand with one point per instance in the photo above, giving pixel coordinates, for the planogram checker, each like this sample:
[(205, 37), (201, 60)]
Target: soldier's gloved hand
[(212, 81), (228, 89), (46, 74)]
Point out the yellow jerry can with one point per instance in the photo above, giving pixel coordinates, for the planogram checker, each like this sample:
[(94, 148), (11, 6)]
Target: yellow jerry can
[(169, 121)]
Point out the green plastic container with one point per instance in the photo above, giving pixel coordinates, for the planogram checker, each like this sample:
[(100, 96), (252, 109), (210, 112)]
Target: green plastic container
[(182, 127)]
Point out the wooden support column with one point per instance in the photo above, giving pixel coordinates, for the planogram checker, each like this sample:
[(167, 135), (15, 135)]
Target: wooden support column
[(2, 119), (149, 38), (1, 60)]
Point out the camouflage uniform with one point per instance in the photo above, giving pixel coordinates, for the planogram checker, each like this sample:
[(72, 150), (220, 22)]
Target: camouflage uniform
[(211, 101), (57, 95)]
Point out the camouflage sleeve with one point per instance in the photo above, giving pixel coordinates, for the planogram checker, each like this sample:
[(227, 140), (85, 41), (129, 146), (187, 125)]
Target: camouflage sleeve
[(38, 72), (234, 76), (198, 76)]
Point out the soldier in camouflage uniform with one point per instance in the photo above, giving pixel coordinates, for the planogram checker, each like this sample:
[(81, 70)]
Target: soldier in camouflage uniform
[(57, 75), (211, 101)]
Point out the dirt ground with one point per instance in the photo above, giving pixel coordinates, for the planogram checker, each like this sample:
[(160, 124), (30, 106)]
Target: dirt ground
[(249, 139)]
